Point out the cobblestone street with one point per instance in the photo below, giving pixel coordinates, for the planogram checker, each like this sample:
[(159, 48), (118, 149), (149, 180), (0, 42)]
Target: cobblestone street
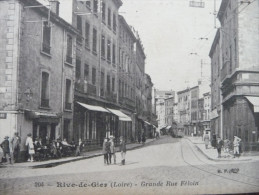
[(166, 165)]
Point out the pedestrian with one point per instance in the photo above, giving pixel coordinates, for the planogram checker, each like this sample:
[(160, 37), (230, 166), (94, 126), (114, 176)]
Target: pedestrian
[(236, 142), (29, 144), (139, 138), (226, 145), (143, 138), (106, 150), (112, 150), (122, 150), (206, 139), (6, 149), (1, 154), (16, 141), (79, 147), (219, 145)]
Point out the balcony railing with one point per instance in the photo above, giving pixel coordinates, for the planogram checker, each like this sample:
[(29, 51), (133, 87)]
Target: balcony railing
[(90, 89), (44, 103), (111, 96), (68, 106), (46, 48)]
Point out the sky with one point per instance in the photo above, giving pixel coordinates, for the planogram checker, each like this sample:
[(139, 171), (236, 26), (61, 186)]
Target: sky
[(170, 31)]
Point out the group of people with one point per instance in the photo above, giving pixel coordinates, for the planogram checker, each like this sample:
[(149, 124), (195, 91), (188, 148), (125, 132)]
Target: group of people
[(109, 150), (142, 138), (10, 149), (226, 144)]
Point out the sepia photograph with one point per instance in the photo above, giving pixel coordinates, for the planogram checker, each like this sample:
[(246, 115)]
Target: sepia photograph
[(129, 97)]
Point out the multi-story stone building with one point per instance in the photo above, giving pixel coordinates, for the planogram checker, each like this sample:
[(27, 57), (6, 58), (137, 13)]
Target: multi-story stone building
[(169, 110), (162, 108), (207, 110), (194, 97), (36, 88), (216, 65), (184, 110), (239, 72)]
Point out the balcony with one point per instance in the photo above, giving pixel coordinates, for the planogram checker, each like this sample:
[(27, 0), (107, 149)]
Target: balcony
[(79, 40), (111, 96), (44, 103), (46, 48), (68, 106), (90, 89)]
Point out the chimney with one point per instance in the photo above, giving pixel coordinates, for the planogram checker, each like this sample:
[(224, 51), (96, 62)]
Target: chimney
[(54, 6)]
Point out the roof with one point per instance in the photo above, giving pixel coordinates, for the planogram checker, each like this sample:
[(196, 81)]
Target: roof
[(222, 9), (53, 17), (214, 44), (125, 24)]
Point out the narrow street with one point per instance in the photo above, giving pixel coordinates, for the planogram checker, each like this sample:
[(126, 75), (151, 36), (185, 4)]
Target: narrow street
[(167, 166)]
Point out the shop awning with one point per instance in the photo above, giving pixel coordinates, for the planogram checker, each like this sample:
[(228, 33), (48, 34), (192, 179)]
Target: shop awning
[(121, 115), (214, 114), (168, 127), (255, 101), (93, 108), (45, 117)]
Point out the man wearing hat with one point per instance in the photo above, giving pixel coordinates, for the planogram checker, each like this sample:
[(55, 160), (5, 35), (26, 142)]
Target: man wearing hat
[(6, 148), (112, 150)]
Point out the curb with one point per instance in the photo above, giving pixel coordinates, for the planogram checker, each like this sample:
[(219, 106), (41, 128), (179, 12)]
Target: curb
[(217, 160), (53, 164)]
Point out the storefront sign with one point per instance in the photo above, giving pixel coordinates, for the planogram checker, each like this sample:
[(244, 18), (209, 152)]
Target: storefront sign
[(3, 115)]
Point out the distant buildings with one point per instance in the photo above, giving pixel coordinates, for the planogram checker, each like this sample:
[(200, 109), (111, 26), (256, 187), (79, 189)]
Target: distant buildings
[(235, 72), (164, 101)]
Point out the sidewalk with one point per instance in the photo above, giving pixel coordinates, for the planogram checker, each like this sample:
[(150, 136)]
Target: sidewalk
[(55, 162), (212, 153)]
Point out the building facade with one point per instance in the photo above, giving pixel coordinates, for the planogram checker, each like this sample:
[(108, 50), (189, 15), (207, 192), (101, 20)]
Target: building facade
[(239, 71), (36, 84)]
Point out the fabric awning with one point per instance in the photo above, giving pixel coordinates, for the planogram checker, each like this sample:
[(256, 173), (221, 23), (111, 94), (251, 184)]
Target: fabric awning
[(255, 101), (214, 114), (121, 115), (44, 117), (93, 108), (168, 127)]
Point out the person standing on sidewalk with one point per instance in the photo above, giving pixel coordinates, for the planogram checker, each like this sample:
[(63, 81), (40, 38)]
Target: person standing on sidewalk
[(7, 152), (236, 146), (16, 141), (106, 150), (30, 146), (122, 150), (112, 150), (206, 139), (220, 144)]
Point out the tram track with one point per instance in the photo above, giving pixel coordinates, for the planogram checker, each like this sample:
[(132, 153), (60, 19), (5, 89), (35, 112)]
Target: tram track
[(210, 165)]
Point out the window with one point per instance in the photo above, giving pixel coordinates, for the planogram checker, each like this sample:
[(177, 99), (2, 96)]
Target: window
[(103, 47), (68, 99), (94, 40), (46, 38), (230, 59), (109, 51), (69, 49), (108, 83), (86, 72), (120, 88), (114, 23), (93, 76), (113, 53), (87, 35), (102, 84), (95, 7), (113, 84), (45, 89), (78, 69), (79, 24), (103, 12), (109, 17)]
